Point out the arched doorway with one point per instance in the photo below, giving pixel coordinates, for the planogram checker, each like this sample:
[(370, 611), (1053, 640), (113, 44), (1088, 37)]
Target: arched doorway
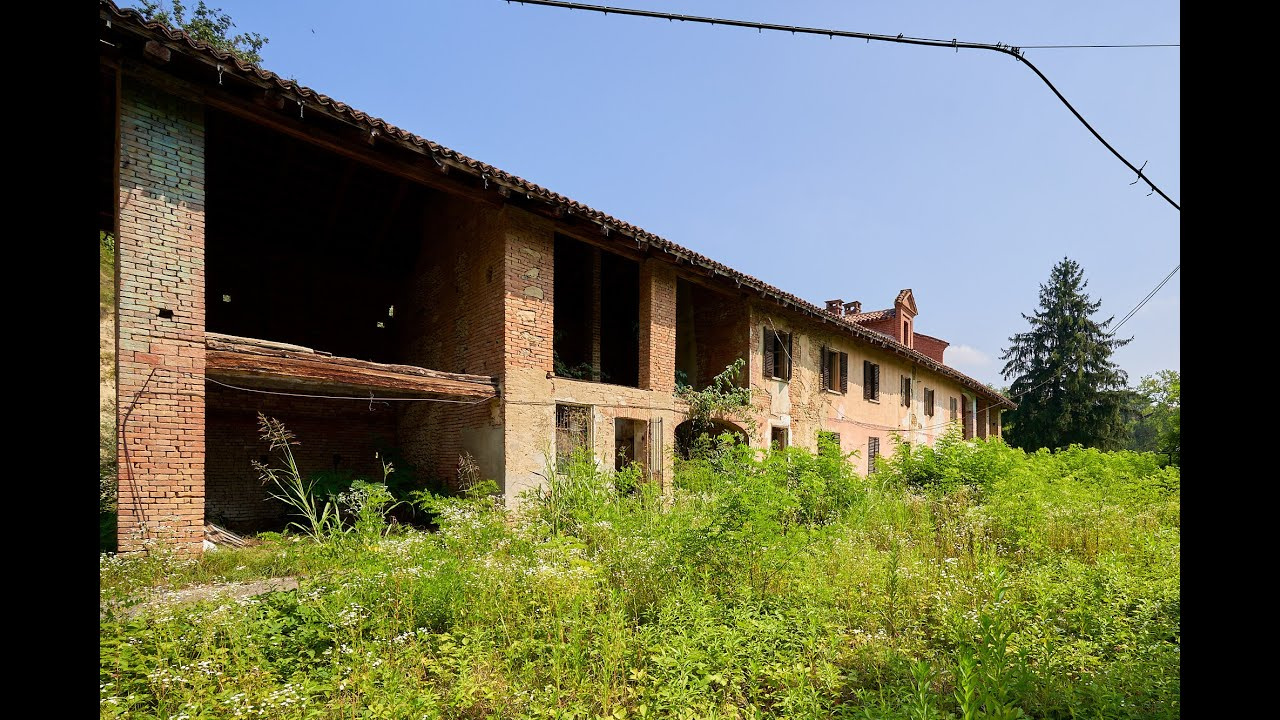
[(685, 434)]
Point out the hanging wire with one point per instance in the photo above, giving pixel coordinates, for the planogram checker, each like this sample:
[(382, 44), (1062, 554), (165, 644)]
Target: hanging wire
[(1014, 51)]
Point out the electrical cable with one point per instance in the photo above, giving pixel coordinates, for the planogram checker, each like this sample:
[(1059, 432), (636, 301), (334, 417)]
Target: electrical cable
[(1011, 50)]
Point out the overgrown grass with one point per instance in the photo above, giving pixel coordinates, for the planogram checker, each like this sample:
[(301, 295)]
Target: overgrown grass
[(971, 581)]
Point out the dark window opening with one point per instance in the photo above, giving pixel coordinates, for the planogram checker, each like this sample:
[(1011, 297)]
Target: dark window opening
[(777, 354), (870, 380), (835, 370), (873, 452), (573, 431), (597, 314), (778, 438), (619, 320), (906, 392), (314, 247), (574, 303), (928, 402), (711, 333)]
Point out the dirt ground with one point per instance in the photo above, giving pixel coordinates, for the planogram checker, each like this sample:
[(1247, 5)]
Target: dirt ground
[(221, 591)]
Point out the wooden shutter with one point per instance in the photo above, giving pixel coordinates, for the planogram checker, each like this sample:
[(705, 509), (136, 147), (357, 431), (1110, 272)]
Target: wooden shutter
[(866, 379), (844, 372), (875, 381), (768, 353), (826, 370)]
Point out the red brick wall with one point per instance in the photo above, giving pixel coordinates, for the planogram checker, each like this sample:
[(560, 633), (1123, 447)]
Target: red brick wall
[(234, 494), (930, 346), (722, 334), (529, 294), (454, 323), (657, 326), (888, 326), (160, 260)]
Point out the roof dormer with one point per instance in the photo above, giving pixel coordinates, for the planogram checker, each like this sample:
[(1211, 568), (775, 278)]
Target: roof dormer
[(905, 309)]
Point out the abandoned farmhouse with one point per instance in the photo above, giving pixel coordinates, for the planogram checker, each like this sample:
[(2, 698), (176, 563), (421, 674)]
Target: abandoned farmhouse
[(278, 251)]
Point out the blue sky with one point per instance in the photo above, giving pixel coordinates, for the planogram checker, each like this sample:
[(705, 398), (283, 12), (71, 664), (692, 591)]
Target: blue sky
[(829, 168)]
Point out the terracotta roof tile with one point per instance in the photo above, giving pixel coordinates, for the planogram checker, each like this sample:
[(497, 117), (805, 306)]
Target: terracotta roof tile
[(872, 315)]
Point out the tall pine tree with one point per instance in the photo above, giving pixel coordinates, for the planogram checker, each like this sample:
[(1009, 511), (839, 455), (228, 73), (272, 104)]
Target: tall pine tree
[(1068, 389)]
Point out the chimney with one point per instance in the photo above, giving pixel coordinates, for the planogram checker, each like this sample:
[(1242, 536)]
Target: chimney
[(835, 307), (853, 307)]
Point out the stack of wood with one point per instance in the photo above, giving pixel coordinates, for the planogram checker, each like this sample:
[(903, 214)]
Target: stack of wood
[(221, 537)]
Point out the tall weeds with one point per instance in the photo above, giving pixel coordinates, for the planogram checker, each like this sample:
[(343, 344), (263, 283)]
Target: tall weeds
[(977, 581)]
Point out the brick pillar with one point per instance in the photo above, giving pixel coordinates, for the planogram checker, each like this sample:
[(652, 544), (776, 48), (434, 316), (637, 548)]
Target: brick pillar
[(160, 321), (984, 422), (595, 314), (658, 326), (529, 295)]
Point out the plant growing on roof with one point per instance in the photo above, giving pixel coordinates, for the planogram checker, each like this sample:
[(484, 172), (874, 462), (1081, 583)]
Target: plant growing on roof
[(209, 25)]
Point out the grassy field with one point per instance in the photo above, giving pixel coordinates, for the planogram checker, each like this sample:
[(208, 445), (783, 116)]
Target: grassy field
[(970, 581)]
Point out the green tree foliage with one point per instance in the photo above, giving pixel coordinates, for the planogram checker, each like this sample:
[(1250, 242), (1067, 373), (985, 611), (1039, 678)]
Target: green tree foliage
[(722, 398), (1069, 391), (1156, 426), (206, 24)]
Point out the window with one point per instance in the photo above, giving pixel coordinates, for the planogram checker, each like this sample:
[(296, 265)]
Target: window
[(906, 391), (870, 380), (928, 402), (873, 452), (573, 426), (828, 439), (835, 370), (778, 438), (953, 411), (777, 354)]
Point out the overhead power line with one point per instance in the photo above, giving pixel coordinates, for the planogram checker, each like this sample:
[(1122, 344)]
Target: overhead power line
[(1010, 50), (1150, 295), (1131, 45)]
